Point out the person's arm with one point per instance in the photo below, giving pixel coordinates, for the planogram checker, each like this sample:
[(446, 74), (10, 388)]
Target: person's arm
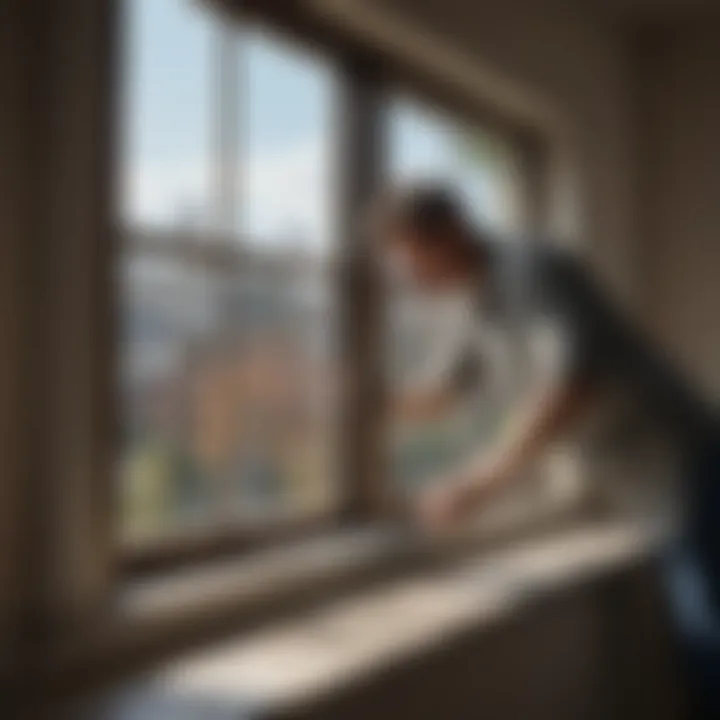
[(540, 420), (568, 386)]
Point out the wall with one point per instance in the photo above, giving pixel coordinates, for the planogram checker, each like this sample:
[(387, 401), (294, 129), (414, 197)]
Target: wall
[(12, 220), (680, 198), (52, 221)]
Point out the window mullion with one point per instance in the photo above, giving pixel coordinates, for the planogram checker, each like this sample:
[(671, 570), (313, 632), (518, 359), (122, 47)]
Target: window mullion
[(360, 161)]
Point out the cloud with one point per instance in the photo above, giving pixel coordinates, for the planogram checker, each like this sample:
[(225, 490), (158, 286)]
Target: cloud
[(284, 195)]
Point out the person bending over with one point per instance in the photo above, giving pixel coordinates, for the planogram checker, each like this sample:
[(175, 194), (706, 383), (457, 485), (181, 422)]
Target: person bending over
[(589, 376)]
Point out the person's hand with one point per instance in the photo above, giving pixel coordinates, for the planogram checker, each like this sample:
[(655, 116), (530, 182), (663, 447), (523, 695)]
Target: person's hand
[(453, 500)]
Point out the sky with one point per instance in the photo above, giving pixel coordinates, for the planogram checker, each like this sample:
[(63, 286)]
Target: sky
[(286, 122)]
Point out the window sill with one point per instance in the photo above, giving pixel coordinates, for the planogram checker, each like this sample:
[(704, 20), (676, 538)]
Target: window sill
[(159, 619), (305, 660)]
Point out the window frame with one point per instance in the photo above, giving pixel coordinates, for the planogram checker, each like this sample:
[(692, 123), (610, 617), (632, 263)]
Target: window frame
[(366, 78), (64, 561)]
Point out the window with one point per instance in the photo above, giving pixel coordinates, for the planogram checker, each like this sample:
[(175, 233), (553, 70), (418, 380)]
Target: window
[(427, 144), (230, 364), (246, 321), (227, 329)]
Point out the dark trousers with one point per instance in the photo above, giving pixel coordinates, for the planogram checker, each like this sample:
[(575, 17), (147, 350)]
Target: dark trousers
[(693, 582)]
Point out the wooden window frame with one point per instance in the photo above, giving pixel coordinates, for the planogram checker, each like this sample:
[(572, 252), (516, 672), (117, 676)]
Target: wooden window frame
[(366, 74), (366, 77), (360, 137), (64, 561)]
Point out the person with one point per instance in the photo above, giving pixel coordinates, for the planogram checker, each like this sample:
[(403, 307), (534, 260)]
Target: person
[(588, 376)]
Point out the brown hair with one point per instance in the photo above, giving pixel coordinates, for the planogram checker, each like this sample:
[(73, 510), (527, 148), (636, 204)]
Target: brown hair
[(429, 211)]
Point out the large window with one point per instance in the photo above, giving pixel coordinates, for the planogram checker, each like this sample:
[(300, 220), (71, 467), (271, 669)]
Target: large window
[(233, 397), (227, 328)]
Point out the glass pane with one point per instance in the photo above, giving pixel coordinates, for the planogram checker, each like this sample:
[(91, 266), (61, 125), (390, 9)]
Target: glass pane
[(427, 145), (167, 113), (287, 190), (227, 336)]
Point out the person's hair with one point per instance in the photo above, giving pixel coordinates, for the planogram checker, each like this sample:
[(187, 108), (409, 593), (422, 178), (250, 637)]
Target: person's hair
[(426, 210)]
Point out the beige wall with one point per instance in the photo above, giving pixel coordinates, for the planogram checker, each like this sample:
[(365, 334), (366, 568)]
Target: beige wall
[(680, 198)]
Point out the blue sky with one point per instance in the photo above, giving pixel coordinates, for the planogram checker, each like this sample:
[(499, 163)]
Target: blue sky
[(286, 130)]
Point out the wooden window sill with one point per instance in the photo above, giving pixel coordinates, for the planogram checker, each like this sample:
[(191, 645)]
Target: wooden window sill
[(303, 660)]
